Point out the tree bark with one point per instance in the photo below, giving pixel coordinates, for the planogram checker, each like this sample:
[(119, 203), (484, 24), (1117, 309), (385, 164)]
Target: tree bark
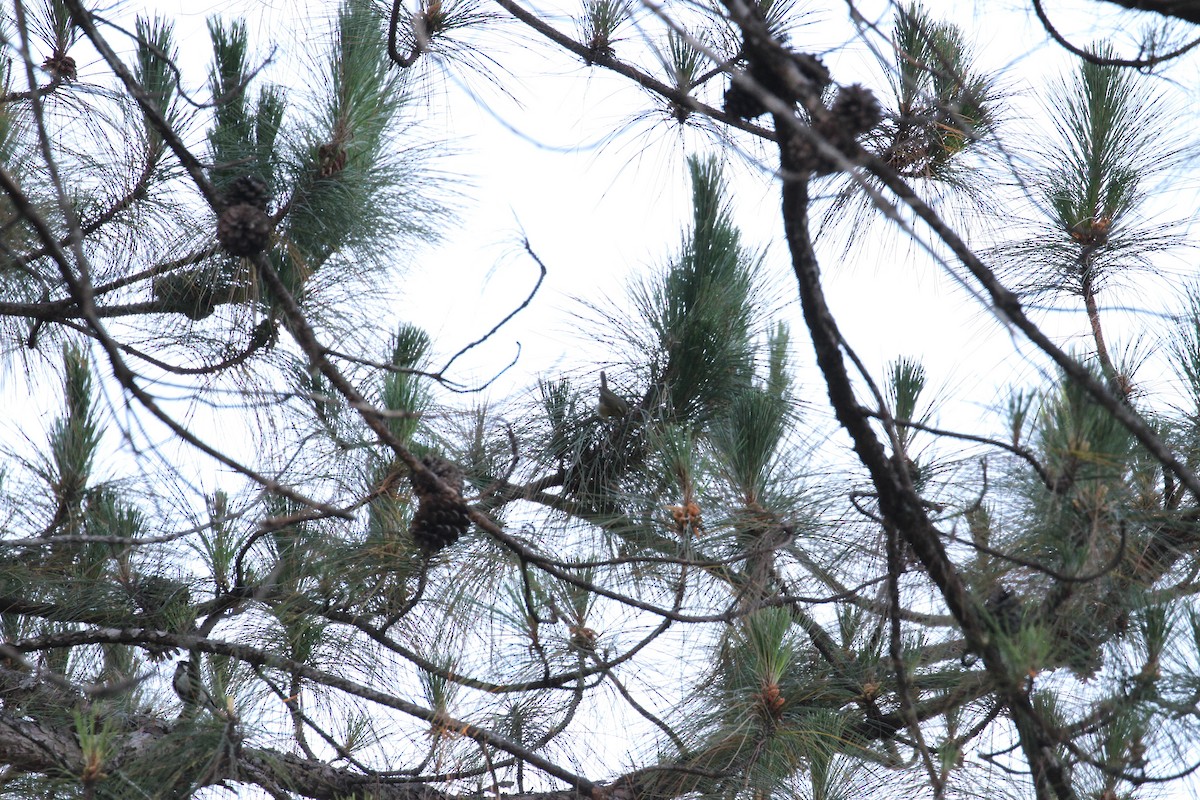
[(1187, 10)]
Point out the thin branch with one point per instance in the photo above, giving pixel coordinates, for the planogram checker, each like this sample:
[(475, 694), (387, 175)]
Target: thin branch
[(262, 658), (1008, 304), (532, 292), (1024, 454)]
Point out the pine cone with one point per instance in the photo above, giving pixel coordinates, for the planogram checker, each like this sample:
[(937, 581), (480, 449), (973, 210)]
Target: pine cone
[(810, 68), (331, 159), (805, 157), (61, 65), (250, 190), (244, 230), (583, 638), (813, 68), (439, 520), (437, 524), (446, 470), (740, 102), (857, 108)]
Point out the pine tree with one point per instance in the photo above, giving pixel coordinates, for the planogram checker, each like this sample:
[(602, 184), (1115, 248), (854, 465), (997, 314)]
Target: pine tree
[(700, 568)]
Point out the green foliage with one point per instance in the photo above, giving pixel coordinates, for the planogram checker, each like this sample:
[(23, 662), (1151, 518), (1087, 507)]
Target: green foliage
[(8, 127), (1113, 136), (684, 62), (944, 105), (782, 16), (243, 137), (906, 381), (436, 690), (347, 178), (697, 341), (404, 391), (761, 651), (601, 21), (938, 131), (770, 712), (231, 133), (156, 57), (219, 543), (1109, 139), (74, 439), (1080, 442), (52, 24), (746, 439), (703, 312)]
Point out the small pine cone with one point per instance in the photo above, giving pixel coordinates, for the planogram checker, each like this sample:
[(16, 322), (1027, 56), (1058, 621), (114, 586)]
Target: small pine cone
[(857, 109), (244, 230), (331, 159), (61, 65), (598, 47), (770, 82), (813, 68), (740, 102), (583, 638), (773, 701), (805, 158), (438, 523), (446, 470), (250, 190), (439, 520)]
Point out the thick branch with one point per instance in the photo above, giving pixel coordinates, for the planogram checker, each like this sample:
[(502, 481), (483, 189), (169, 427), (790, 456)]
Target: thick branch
[(35, 748), (1186, 10), (898, 500)]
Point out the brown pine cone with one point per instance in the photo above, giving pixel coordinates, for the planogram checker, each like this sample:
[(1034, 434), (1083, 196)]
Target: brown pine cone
[(244, 230), (857, 108)]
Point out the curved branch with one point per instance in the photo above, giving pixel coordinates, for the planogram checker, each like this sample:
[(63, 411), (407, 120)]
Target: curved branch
[(1021, 452), (1087, 55), (524, 304), (15, 97), (1138, 63)]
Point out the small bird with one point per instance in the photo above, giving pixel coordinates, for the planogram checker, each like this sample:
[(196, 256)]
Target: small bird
[(611, 405), (1006, 610), (189, 688)]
